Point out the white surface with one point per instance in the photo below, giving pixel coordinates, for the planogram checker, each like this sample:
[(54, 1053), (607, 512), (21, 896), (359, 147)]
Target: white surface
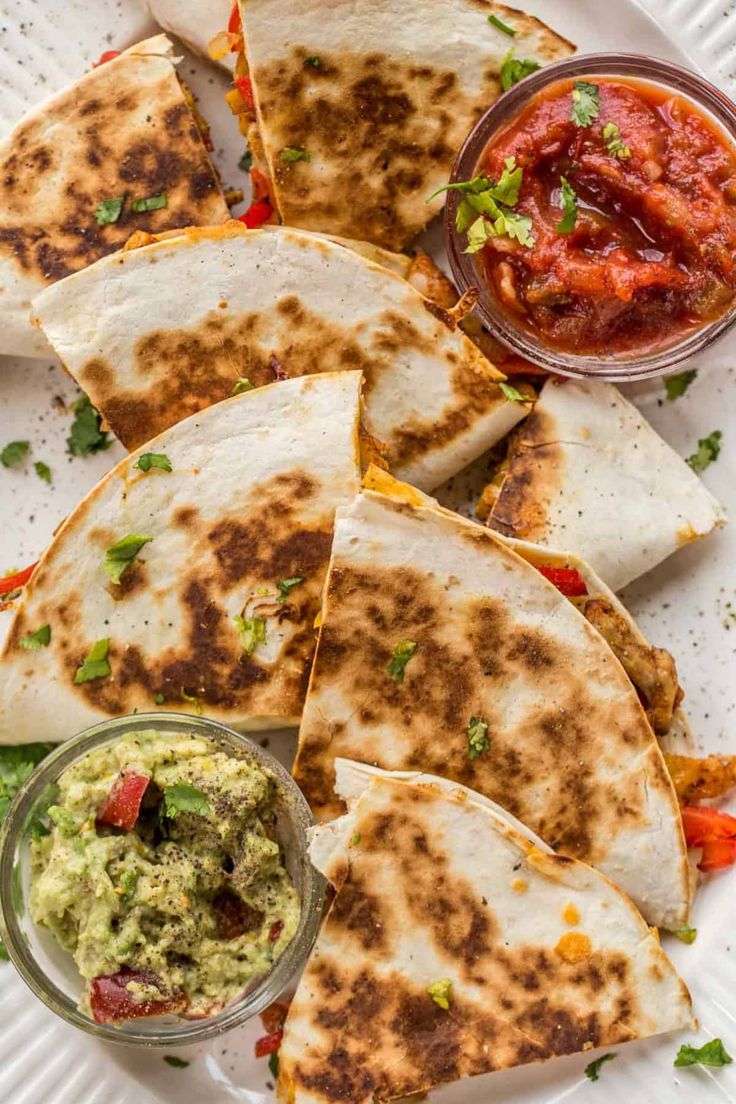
[(682, 606)]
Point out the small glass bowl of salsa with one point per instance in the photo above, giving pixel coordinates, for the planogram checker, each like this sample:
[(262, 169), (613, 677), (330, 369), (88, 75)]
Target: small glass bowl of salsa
[(43, 808), (593, 207)]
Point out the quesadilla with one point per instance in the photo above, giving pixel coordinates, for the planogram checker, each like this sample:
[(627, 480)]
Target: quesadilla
[(443, 650), (121, 149), (195, 22), (190, 577), (155, 333), (588, 473), (457, 944), (354, 112)]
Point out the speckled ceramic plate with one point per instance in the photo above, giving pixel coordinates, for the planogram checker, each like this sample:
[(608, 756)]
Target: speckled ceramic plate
[(686, 605)]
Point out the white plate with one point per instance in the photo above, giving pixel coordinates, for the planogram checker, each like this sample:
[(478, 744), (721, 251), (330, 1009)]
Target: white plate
[(682, 605)]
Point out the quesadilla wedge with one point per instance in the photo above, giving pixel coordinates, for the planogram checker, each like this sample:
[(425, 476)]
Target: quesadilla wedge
[(441, 649), (190, 577), (195, 22), (588, 473), (119, 150), (458, 944), (153, 334), (355, 111)]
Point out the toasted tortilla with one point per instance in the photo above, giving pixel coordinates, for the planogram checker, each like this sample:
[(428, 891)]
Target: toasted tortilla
[(383, 110), (249, 503), (123, 129), (570, 751), (195, 22), (156, 333), (543, 956), (588, 473)]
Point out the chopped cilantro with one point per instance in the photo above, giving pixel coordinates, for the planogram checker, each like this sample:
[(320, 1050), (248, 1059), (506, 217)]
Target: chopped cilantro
[(686, 934), (511, 394), (286, 586), (291, 154), (478, 184), (252, 632), (174, 1062), (86, 436), (119, 556), (43, 471), (148, 460), (678, 385), (478, 741), (586, 103), (402, 653), (273, 1065), (708, 450), (515, 69), (16, 764), (569, 207), (709, 1054), (439, 991), (158, 699), (95, 665), (246, 161), (183, 798), (150, 203), (486, 212), (13, 453), (313, 62), (496, 22), (109, 210), (509, 183), (243, 384), (614, 142), (355, 839), (192, 700), (593, 1071), (4, 956), (41, 638)]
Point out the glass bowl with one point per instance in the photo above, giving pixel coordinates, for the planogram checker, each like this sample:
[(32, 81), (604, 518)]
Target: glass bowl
[(465, 268), (51, 972)]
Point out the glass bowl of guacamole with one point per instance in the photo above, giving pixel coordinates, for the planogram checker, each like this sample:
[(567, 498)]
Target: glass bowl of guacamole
[(154, 880)]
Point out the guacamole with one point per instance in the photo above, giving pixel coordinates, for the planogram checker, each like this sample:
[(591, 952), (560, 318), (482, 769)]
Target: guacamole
[(160, 874)]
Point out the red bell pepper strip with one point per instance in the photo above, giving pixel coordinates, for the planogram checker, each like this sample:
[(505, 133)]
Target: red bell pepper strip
[(111, 1002), (274, 1017), (233, 25), (275, 931), (122, 805), (703, 823), (19, 579), (107, 56), (244, 86), (268, 1044), (257, 214), (567, 580), (717, 854)]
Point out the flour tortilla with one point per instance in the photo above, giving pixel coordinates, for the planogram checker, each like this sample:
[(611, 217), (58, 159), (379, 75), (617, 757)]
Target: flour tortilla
[(589, 474), (384, 113), (155, 333), (195, 22), (570, 753), (123, 129), (433, 882), (250, 502)]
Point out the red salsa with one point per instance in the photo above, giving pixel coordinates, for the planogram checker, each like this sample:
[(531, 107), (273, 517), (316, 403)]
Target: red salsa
[(623, 231)]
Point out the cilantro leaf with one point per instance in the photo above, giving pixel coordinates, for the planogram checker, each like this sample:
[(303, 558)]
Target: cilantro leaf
[(614, 142), (499, 23), (479, 233), (128, 882), (678, 385), (13, 453), (243, 384), (440, 992), (708, 449), (686, 934), (95, 665), (273, 1065), (593, 1071), (43, 471), (511, 394), (41, 638), (159, 699), (148, 460), (515, 226), (709, 1054), (183, 798), (246, 161), (109, 210), (402, 653), (355, 839), (285, 586), (515, 69), (174, 1062), (313, 62), (478, 741), (150, 203), (252, 632), (509, 183), (86, 436), (478, 184), (586, 103), (119, 556), (291, 154), (569, 207), (16, 764)]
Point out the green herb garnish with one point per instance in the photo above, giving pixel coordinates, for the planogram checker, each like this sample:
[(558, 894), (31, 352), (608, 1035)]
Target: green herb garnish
[(709, 1054), (252, 632), (17, 762), (119, 556), (686, 934), (355, 839), (193, 701), (515, 69), (43, 471), (174, 1062), (499, 23), (243, 384), (246, 161), (109, 210), (95, 665), (511, 394), (314, 62), (14, 453), (593, 1071), (41, 638), (183, 798), (439, 991), (273, 1065), (402, 653), (586, 103), (708, 450), (291, 154), (158, 699), (286, 586), (614, 143), (485, 211), (150, 203), (678, 385), (478, 741), (148, 460), (128, 882), (568, 206), (86, 436)]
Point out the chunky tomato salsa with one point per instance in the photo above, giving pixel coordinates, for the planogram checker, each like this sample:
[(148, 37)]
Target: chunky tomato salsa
[(604, 216)]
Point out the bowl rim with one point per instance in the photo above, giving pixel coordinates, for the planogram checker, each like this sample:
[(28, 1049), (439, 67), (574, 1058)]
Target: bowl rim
[(634, 66), (174, 1032)]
